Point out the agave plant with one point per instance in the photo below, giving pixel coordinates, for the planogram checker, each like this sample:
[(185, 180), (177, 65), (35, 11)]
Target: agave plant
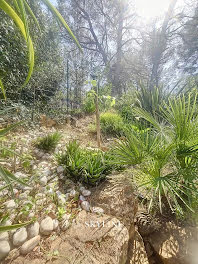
[(18, 11)]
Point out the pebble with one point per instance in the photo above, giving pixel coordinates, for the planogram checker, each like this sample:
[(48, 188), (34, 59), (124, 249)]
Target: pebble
[(82, 198), (30, 245), (43, 180), (97, 210), (65, 225), (72, 193), (46, 226), (86, 192), (55, 224), (10, 204), (4, 249), (60, 169), (19, 237), (20, 175), (4, 236), (82, 188), (85, 206), (33, 230)]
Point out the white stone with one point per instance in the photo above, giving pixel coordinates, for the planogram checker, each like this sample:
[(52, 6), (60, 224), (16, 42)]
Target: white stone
[(82, 198), (4, 249), (19, 237), (60, 169), (82, 188), (4, 236), (97, 210), (20, 175), (10, 204), (33, 230), (31, 215), (46, 226), (86, 193), (61, 199), (30, 245), (23, 196), (43, 180), (85, 206), (65, 224), (55, 224), (66, 216), (47, 172), (72, 193)]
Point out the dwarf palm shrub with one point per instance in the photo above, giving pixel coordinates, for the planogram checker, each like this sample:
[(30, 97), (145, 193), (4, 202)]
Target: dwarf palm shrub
[(49, 142), (167, 153), (88, 166)]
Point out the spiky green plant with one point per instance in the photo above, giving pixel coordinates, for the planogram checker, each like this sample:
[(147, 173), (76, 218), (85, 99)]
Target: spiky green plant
[(88, 166), (18, 11), (49, 142), (169, 154), (6, 175)]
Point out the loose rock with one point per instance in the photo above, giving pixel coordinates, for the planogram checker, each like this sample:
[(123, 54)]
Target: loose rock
[(86, 193), (43, 180), (85, 206), (97, 210), (4, 236), (10, 204), (33, 230), (55, 224), (19, 237), (60, 169), (4, 249), (46, 226), (29, 245)]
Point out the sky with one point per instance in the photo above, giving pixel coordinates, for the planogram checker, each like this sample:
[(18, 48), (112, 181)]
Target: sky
[(148, 9)]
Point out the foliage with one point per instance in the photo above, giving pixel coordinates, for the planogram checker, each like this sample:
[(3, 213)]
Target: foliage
[(13, 227), (89, 103), (6, 175), (150, 99), (125, 106), (167, 155), (87, 166), (112, 124), (19, 13), (49, 142)]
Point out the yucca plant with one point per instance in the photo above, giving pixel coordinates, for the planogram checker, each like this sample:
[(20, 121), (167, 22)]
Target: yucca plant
[(49, 142), (18, 11)]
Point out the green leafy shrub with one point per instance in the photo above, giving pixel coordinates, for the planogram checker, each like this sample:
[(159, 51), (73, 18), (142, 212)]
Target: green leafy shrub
[(125, 107), (49, 142), (89, 103), (88, 166), (112, 124), (167, 155)]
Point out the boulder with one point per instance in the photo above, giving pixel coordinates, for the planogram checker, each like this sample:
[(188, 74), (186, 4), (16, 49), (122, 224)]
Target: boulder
[(136, 250), (175, 244), (93, 239), (115, 196)]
